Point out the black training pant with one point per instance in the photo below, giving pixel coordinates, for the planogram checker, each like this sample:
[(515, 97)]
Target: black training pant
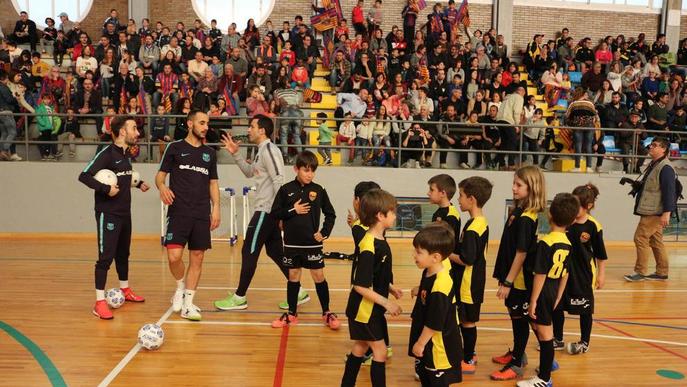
[(114, 241)]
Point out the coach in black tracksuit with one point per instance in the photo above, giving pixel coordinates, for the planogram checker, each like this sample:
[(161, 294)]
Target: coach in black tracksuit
[(113, 210)]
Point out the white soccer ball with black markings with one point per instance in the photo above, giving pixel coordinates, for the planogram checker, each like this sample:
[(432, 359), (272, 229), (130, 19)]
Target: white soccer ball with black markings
[(114, 297), (151, 336), (106, 177), (135, 178)]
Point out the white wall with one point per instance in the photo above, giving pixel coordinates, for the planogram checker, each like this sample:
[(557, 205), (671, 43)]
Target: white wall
[(47, 197)]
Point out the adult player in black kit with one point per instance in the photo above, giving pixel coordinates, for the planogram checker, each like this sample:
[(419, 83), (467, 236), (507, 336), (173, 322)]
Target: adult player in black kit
[(113, 211), (193, 183)]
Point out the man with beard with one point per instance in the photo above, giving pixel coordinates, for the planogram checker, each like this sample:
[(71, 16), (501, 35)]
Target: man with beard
[(113, 211), (193, 183), (267, 169)]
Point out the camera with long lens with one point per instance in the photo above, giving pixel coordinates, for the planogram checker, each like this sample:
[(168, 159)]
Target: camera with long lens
[(636, 185)]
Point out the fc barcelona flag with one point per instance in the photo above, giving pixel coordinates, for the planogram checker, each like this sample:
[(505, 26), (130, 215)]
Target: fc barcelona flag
[(463, 14), (329, 19), (421, 4)]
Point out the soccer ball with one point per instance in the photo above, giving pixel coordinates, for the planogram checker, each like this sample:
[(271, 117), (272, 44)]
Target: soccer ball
[(151, 336), (135, 178), (114, 297), (106, 176)]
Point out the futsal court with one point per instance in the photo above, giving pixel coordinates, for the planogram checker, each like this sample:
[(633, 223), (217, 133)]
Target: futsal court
[(49, 336)]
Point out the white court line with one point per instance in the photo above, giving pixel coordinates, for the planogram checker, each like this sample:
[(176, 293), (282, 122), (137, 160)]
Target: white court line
[(136, 348), (258, 324), (486, 290)]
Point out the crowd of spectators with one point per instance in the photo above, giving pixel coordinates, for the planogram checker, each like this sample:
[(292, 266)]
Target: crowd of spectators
[(458, 85)]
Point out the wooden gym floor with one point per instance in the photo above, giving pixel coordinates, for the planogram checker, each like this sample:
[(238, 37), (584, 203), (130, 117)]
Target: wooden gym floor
[(48, 335)]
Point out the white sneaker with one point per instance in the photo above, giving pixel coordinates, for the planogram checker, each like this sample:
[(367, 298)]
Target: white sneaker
[(534, 382), (191, 312), (464, 166), (177, 300), (443, 166), (418, 164), (15, 157), (576, 170), (599, 170)]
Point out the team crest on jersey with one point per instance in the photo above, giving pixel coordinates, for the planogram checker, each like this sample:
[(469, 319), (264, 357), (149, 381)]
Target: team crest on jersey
[(110, 226), (206, 157), (423, 297), (169, 236), (312, 195), (585, 237)]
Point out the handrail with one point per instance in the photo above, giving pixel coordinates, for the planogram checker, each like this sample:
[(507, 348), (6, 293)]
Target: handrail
[(453, 127)]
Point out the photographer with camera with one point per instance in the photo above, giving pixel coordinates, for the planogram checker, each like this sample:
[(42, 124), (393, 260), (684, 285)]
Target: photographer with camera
[(655, 199)]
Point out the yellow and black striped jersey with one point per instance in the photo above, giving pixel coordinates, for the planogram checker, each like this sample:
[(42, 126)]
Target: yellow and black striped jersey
[(358, 231), (473, 245), (587, 246), (372, 268), (435, 310), (551, 259), (519, 234)]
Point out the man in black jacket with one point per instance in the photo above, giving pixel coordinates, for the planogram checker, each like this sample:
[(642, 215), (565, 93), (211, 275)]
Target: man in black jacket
[(25, 31), (298, 205), (88, 100), (113, 211)]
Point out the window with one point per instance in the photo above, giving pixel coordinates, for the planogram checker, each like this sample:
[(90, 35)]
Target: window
[(40, 9), (233, 11)]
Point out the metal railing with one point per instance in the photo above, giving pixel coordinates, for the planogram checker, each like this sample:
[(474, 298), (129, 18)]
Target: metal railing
[(454, 128)]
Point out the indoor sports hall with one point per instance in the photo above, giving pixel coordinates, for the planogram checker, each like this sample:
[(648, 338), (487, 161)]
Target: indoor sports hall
[(99, 123)]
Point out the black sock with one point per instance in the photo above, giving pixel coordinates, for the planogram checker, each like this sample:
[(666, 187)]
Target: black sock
[(469, 342), (545, 359), (586, 327), (378, 374), (521, 333), (292, 289), (558, 323), (351, 371), (323, 294)]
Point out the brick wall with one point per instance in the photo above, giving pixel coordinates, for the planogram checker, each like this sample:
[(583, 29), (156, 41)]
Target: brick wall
[(530, 20), (92, 24)]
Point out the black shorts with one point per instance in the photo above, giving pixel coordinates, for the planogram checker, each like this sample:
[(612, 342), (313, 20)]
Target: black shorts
[(545, 306), (373, 330), (578, 305), (517, 302), (468, 312), (439, 378), (182, 230), (295, 258)]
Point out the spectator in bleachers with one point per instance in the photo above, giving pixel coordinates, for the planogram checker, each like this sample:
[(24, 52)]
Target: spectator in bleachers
[(566, 55), (478, 104), (511, 114), (85, 63), (103, 45), (197, 67), (239, 64), (261, 79), (581, 113), (60, 47), (584, 56), (381, 130), (169, 58), (125, 86), (146, 88), (251, 34), (167, 84), (340, 71), (66, 25), (615, 113), (657, 114), (25, 31), (650, 85), (149, 55), (651, 66), (659, 47), (592, 80), (603, 55), (88, 100), (533, 136), (631, 142), (604, 94), (230, 86), (615, 76), (55, 85), (112, 20), (49, 35), (674, 94)]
